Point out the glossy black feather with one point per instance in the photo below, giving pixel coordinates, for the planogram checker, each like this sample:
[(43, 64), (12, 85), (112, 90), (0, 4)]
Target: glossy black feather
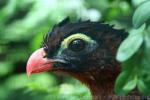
[(96, 30)]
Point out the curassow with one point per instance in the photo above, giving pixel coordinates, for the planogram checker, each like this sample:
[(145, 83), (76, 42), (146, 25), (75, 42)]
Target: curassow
[(85, 50)]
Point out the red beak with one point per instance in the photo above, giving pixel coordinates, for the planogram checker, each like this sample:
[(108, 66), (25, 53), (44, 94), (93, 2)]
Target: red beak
[(37, 63)]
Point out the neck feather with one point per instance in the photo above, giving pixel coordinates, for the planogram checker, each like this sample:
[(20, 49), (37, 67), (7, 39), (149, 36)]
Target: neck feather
[(100, 81)]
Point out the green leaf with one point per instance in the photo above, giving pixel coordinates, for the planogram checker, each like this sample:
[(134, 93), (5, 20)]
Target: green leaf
[(141, 15), (120, 82), (131, 44), (131, 84), (142, 86), (125, 82), (137, 2)]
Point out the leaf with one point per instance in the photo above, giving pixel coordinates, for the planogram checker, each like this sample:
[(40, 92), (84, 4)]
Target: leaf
[(125, 82), (142, 86), (131, 44), (144, 72), (130, 85), (141, 15), (120, 82), (137, 2)]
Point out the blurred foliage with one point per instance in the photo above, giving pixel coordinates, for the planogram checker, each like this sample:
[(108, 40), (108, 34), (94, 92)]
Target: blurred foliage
[(41, 87), (134, 53), (23, 23)]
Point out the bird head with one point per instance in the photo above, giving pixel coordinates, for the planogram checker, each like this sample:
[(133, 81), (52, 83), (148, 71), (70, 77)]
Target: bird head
[(84, 49)]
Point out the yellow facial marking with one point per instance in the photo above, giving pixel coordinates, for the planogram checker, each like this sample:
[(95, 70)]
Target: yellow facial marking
[(67, 40), (65, 43)]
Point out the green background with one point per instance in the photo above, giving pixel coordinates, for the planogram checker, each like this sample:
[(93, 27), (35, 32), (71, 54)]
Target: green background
[(23, 23)]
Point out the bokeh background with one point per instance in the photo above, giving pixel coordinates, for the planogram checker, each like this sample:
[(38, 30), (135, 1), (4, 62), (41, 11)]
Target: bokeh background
[(23, 23)]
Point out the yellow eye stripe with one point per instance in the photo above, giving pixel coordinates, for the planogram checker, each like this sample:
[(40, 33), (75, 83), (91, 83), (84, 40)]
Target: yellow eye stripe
[(65, 43), (67, 40)]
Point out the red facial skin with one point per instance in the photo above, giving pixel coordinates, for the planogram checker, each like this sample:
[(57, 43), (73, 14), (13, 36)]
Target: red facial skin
[(38, 63)]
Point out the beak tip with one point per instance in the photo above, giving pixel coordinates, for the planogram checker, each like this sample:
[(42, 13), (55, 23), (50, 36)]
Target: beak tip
[(28, 72), (36, 63)]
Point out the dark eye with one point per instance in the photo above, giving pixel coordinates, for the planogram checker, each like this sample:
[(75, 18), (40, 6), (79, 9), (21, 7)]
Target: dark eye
[(77, 45)]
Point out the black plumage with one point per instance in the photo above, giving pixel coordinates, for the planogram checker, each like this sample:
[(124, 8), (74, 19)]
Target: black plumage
[(94, 63)]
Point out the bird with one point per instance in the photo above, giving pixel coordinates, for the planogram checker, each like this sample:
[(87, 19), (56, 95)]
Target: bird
[(85, 50)]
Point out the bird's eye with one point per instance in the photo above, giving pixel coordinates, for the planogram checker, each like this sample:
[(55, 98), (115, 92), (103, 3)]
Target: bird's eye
[(77, 45)]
